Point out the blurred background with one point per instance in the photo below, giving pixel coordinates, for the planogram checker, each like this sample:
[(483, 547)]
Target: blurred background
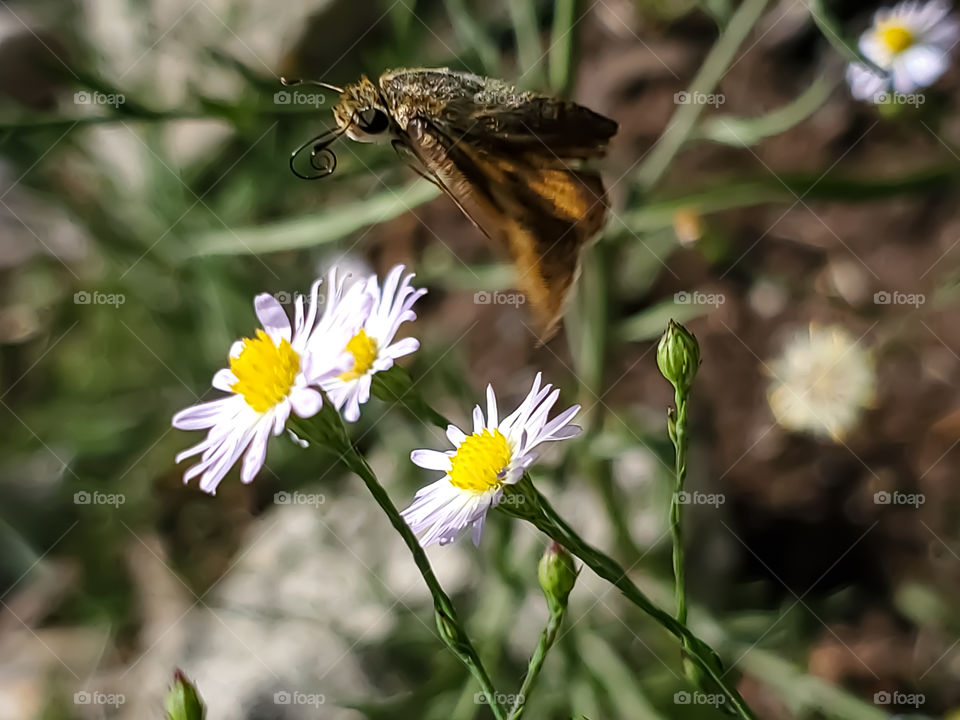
[(145, 198)]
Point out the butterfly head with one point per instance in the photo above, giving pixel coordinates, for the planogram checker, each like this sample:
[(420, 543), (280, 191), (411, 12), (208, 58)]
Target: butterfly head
[(362, 113)]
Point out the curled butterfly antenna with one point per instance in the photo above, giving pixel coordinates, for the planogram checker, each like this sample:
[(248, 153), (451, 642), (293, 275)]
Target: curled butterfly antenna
[(322, 159), (297, 81)]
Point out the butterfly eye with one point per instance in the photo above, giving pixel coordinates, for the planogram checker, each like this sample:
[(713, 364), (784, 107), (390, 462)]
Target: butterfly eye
[(373, 121)]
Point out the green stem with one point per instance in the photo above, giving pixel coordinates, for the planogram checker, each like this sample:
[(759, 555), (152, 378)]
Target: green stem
[(539, 512), (451, 630), (560, 58), (830, 27), (711, 71), (523, 15), (547, 638), (678, 435), (470, 34)]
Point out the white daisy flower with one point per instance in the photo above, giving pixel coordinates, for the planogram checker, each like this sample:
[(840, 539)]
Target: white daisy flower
[(270, 375), (372, 347), (911, 42), (496, 454), (822, 382)]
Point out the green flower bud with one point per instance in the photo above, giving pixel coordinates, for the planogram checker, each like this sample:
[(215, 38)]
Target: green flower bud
[(557, 574), (450, 632), (678, 356), (182, 701)]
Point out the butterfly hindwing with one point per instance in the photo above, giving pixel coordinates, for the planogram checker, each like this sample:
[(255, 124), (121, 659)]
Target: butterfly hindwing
[(543, 211)]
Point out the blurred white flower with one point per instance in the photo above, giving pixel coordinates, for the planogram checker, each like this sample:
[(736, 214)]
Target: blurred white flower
[(911, 42), (496, 454), (372, 346), (270, 375), (822, 382)]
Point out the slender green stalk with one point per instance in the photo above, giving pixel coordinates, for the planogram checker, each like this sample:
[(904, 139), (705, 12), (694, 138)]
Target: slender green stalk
[(451, 630), (523, 15), (678, 434), (830, 27), (560, 58), (472, 35), (547, 638), (538, 511), (711, 71), (557, 574), (678, 357)]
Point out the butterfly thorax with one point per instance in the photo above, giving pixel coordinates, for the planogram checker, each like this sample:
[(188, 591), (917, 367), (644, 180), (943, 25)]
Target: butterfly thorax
[(429, 92)]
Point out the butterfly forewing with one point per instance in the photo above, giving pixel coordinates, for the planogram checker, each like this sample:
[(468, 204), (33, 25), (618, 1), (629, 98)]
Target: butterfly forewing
[(510, 161)]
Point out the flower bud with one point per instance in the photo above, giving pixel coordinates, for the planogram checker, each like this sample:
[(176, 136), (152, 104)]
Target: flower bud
[(557, 574), (678, 356), (182, 701), (450, 632)]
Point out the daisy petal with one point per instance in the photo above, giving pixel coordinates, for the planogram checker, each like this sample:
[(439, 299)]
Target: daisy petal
[(256, 454), (224, 380), (306, 402), (924, 65), (430, 460), (455, 435), (203, 416), (492, 417), (273, 317)]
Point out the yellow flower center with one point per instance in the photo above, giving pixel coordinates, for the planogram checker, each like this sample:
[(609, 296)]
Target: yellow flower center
[(480, 461), (364, 351), (264, 371), (896, 37)]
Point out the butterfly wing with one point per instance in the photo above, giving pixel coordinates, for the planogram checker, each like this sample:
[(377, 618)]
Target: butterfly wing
[(555, 129), (492, 114), (541, 209)]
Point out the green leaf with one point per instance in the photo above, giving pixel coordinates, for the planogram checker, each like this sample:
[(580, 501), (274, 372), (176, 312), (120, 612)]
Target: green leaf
[(743, 132), (310, 230)]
